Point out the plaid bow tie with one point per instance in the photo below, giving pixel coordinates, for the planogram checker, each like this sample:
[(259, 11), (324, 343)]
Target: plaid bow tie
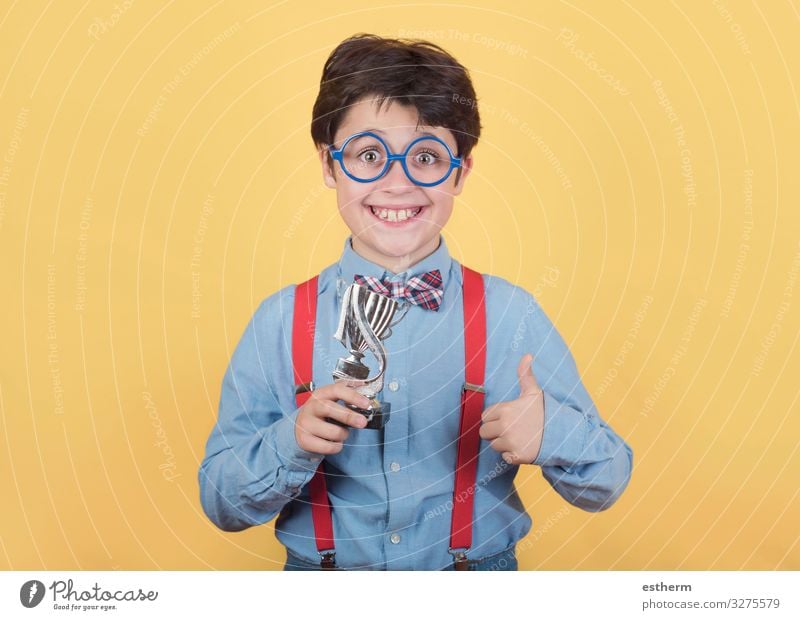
[(423, 290)]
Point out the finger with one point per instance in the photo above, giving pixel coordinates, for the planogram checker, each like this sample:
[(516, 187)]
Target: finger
[(511, 458), (322, 446), (501, 444), (340, 391), (326, 430), (527, 380), (491, 413), (491, 430), (342, 414)]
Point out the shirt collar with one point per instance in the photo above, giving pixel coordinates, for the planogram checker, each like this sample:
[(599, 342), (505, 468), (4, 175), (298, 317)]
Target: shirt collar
[(352, 263)]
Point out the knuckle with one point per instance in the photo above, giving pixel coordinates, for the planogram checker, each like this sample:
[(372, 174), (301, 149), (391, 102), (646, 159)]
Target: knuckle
[(335, 448), (320, 446), (332, 409)]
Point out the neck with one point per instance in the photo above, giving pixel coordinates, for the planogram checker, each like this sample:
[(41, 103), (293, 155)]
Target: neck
[(395, 264)]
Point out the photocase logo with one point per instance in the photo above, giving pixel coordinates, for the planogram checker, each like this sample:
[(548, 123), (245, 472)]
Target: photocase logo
[(31, 593)]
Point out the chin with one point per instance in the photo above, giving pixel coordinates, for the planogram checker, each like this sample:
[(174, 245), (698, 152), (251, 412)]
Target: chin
[(398, 247), (393, 247)]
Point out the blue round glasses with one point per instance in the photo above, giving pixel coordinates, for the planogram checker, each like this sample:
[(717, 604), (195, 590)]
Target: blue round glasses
[(365, 157)]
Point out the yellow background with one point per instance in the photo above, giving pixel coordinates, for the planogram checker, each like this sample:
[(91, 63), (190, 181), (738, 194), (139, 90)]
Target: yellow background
[(158, 181)]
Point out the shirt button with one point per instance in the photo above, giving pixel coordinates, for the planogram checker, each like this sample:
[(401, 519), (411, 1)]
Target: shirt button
[(395, 466), (294, 490), (395, 538), (394, 385)]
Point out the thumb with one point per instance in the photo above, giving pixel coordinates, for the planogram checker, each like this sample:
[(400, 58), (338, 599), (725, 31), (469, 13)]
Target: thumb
[(527, 380)]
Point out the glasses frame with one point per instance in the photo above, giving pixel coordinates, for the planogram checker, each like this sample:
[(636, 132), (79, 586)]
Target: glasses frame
[(338, 154)]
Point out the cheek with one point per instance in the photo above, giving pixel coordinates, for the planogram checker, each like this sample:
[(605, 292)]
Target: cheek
[(443, 204), (349, 195), (444, 214)]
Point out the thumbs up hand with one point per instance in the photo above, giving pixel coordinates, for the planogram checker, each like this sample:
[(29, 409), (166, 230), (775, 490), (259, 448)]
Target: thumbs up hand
[(515, 427)]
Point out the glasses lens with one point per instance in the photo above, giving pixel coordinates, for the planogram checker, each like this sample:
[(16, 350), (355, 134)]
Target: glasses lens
[(364, 157), (428, 161)]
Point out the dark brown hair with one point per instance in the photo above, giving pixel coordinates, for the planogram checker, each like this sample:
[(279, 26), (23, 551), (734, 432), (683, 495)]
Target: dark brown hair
[(409, 71)]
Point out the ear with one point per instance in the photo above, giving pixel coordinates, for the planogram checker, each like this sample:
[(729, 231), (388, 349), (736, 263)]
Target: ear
[(328, 176), (466, 168)]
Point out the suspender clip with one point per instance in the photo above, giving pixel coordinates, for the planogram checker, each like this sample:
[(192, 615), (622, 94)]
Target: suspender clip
[(304, 387), (474, 388), (460, 561), (328, 560)]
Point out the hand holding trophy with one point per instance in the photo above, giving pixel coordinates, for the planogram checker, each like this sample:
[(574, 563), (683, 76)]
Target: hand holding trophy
[(365, 321), (323, 425)]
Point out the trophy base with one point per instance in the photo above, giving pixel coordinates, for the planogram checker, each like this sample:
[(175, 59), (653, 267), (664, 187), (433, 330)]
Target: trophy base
[(376, 418)]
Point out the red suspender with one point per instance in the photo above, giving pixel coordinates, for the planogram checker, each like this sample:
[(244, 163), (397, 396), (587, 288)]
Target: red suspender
[(305, 319), (472, 401), (471, 409)]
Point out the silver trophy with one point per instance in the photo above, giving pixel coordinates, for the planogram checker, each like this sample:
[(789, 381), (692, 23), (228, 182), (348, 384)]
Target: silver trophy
[(366, 320)]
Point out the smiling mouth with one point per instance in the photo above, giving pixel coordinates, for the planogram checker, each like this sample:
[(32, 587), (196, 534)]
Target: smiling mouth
[(395, 215)]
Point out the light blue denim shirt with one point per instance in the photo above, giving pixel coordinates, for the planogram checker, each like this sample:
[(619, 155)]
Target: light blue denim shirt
[(392, 490)]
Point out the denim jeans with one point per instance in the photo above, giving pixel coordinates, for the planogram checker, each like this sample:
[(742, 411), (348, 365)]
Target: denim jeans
[(505, 560)]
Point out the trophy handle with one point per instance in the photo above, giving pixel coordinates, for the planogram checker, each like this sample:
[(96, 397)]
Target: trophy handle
[(404, 307), (339, 335)]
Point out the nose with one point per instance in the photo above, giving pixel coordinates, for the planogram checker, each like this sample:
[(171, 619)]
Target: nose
[(395, 179)]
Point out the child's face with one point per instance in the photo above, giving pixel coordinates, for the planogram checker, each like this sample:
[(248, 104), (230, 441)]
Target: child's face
[(395, 245)]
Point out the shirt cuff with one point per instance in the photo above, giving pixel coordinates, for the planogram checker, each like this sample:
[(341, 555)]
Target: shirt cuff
[(299, 463), (564, 435)]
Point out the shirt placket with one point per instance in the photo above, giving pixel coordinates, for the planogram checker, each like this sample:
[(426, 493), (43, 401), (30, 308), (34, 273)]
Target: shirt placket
[(397, 536)]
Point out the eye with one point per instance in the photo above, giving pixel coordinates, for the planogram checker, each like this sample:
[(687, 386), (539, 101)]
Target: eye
[(426, 158), (370, 155)]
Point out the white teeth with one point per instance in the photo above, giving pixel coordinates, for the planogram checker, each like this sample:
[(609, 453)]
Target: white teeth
[(395, 215)]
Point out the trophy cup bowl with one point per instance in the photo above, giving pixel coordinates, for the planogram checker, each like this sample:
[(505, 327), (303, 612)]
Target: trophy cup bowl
[(366, 320)]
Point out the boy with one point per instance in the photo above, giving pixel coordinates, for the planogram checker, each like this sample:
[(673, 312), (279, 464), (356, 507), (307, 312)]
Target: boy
[(355, 498)]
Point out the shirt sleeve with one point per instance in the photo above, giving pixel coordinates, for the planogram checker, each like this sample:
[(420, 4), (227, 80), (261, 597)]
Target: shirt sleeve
[(581, 456), (253, 465)]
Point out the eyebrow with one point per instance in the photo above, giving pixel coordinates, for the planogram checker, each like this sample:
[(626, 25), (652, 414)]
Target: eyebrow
[(383, 133)]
